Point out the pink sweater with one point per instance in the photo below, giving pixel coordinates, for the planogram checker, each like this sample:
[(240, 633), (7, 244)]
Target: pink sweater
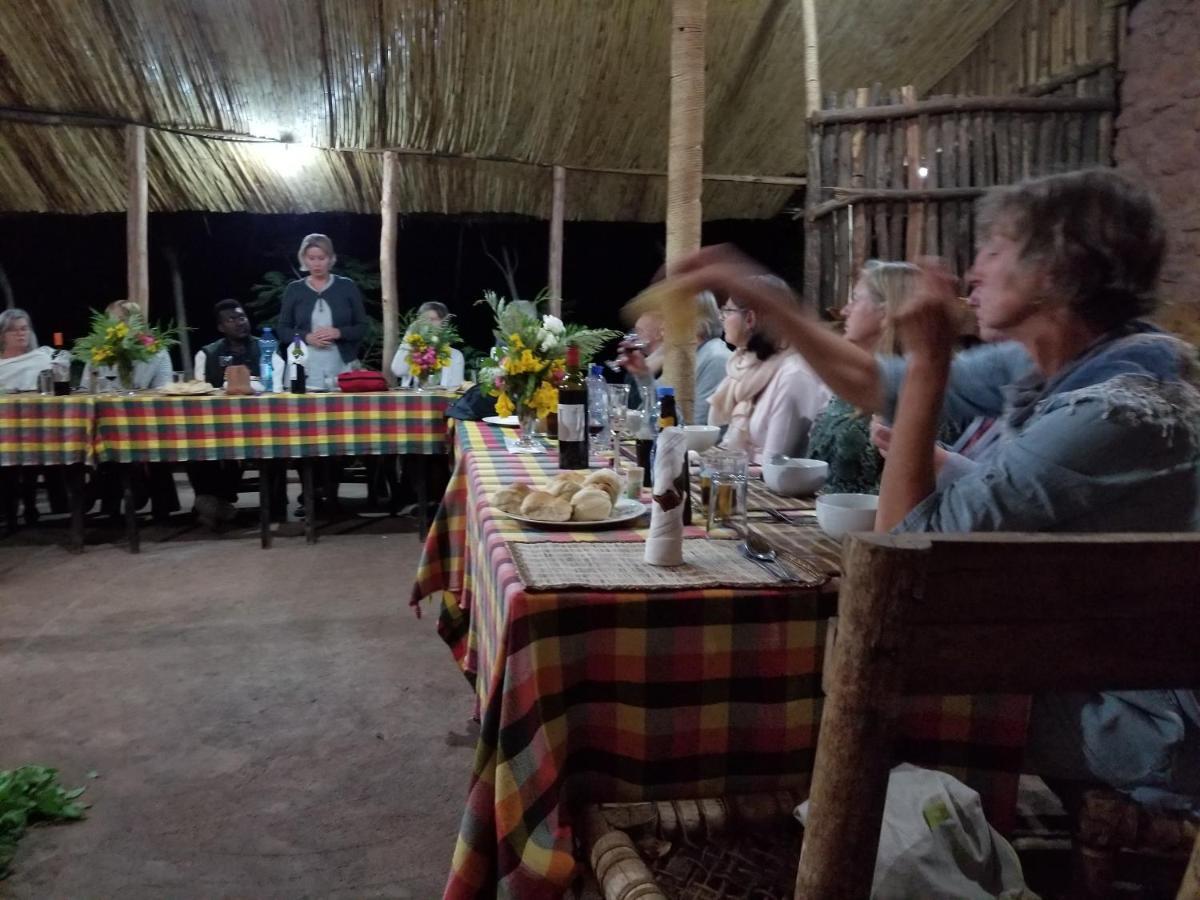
[(785, 410)]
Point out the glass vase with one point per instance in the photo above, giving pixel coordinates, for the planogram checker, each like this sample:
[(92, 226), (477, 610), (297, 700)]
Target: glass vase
[(527, 438), (125, 380), (426, 381)]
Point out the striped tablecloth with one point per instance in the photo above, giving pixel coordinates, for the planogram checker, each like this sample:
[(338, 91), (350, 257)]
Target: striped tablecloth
[(594, 695), (155, 428), (45, 431)]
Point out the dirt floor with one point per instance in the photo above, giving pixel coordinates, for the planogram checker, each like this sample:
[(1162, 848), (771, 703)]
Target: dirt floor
[(262, 723)]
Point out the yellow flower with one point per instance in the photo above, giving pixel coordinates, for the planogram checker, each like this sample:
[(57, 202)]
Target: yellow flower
[(545, 399), (100, 355), (515, 340), (504, 406)]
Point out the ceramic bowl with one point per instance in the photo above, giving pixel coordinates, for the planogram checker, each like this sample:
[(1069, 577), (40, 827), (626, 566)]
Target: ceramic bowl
[(701, 437), (794, 477), (840, 514)]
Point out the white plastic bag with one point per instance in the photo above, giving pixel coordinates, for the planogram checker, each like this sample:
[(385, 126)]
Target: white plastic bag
[(936, 843)]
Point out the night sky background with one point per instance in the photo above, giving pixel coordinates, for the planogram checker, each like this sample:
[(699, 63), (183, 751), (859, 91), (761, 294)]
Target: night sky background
[(60, 267)]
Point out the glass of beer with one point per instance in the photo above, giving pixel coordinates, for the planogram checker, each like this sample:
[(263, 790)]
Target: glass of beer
[(726, 495)]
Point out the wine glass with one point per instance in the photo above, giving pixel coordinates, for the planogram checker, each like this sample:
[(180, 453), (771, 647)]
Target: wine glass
[(618, 408), (630, 341)]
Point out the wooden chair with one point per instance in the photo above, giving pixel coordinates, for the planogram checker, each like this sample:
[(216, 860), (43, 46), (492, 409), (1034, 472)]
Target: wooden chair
[(997, 613)]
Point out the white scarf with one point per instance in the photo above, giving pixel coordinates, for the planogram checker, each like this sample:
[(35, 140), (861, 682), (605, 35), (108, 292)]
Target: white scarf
[(20, 373), (746, 377)]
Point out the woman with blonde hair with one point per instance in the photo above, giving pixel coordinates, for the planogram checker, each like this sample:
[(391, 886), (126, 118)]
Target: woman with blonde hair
[(841, 435), (326, 311)]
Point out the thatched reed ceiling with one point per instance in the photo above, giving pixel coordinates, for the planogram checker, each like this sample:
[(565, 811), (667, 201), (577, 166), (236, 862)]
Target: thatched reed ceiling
[(582, 83)]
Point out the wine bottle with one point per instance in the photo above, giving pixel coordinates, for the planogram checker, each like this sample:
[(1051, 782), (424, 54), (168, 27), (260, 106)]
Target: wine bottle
[(572, 416), (62, 371)]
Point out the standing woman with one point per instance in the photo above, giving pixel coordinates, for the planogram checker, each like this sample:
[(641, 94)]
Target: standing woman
[(326, 310)]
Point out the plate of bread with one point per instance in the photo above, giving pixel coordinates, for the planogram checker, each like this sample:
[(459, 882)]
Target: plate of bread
[(187, 389), (571, 499)]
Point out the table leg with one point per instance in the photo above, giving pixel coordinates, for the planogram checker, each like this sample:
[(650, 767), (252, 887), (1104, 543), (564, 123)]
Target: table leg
[(131, 529), (310, 501), (10, 496), (390, 462), (75, 490), (422, 486), (266, 477)]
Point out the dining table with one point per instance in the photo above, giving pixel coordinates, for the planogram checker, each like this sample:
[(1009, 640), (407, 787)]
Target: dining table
[(37, 431), (596, 681), (266, 430)]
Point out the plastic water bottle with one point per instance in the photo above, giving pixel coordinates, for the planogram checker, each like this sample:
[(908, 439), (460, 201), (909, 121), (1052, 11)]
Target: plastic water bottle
[(597, 392), (266, 361)]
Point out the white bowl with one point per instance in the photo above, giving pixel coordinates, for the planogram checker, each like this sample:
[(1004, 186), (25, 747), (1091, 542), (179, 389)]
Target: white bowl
[(793, 477), (840, 514), (701, 437)]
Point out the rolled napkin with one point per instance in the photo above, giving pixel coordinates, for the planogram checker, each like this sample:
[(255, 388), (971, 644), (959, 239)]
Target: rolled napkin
[(664, 545)]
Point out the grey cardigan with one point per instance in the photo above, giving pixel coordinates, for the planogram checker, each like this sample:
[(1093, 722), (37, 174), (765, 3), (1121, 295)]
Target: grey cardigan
[(345, 303)]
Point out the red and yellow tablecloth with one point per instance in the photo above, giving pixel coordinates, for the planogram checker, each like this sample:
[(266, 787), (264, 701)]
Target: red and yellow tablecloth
[(597, 696), (45, 431), (156, 428)]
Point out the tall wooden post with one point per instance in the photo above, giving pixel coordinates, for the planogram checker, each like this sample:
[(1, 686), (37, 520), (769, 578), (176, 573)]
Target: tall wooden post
[(387, 266), (558, 207), (812, 191), (685, 170), (136, 244)]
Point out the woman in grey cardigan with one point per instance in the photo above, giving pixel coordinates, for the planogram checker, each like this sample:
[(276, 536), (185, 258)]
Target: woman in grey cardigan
[(326, 311)]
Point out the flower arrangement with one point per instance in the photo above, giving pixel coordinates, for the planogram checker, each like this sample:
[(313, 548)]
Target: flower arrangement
[(528, 362), (121, 343), (428, 344)]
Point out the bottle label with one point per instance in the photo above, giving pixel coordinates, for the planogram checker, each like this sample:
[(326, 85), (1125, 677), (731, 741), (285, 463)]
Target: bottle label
[(572, 422)]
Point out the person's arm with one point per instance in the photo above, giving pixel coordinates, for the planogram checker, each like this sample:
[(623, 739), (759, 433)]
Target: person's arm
[(285, 326), (160, 370), (455, 373), (356, 329), (977, 381), (927, 328), (849, 371), (400, 362)]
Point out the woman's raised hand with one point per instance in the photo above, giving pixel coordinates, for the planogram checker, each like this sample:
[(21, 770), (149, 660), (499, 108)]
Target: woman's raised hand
[(725, 269), (927, 323)]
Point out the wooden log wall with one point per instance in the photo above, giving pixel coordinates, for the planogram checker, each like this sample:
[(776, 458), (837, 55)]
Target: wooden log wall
[(897, 178)]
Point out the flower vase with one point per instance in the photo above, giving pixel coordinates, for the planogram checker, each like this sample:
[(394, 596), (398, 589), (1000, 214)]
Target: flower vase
[(426, 381), (528, 432), (125, 379)]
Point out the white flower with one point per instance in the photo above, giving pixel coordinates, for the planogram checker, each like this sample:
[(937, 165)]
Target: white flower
[(553, 324), (549, 341)]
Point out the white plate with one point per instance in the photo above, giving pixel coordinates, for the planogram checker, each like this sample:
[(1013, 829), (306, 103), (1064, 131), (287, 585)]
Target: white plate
[(626, 510), (197, 392), (503, 421)]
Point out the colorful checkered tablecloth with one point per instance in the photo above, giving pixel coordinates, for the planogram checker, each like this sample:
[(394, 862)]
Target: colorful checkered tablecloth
[(155, 428), (587, 695), (45, 431)]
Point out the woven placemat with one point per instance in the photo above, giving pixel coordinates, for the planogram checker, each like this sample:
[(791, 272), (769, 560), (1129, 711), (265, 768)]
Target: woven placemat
[(621, 567)]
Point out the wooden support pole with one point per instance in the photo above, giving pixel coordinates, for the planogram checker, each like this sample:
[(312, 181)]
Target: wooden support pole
[(812, 193), (557, 209), (387, 266), (136, 244), (685, 167)]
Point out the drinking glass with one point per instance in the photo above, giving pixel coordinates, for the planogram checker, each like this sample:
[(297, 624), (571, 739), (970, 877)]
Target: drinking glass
[(45, 382), (629, 341), (727, 494), (618, 408), (177, 378)]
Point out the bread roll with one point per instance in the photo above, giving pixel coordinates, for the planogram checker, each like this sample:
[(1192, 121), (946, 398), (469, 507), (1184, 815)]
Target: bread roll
[(607, 481), (509, 499), (562, 487), (591, 505), (576, 475), (545, 507)]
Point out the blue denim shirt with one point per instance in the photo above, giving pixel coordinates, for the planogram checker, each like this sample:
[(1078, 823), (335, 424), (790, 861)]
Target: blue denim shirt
[(1111, 443)]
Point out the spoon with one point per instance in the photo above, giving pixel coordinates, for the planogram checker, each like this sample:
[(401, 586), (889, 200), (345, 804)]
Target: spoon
[(756, 547)]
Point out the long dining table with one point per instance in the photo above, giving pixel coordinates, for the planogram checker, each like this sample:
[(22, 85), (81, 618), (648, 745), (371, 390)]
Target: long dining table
[(265, 429), (594, 694)]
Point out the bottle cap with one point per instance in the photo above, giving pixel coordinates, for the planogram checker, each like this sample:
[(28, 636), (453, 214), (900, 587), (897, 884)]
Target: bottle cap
[(58, 340), (666, 392), (266, 330), (598, 369)]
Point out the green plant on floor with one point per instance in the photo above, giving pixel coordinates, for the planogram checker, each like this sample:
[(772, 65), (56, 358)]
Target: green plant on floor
[(29, 795)]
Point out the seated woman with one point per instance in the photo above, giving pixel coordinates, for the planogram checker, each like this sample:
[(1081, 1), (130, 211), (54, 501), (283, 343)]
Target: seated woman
[(147, 374), (841, 433), (21, 359), (769, 397), (452, 375), (1102, 433)]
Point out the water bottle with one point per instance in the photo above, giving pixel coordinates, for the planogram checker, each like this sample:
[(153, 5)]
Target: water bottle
[(597, 393), (266, 361)]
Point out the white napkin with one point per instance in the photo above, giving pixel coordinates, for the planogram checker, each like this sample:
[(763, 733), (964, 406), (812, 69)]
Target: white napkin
[(664, 545)]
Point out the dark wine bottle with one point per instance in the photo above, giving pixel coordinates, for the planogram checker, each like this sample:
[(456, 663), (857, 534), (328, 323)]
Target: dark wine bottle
[(572, 416), (62, 374)]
